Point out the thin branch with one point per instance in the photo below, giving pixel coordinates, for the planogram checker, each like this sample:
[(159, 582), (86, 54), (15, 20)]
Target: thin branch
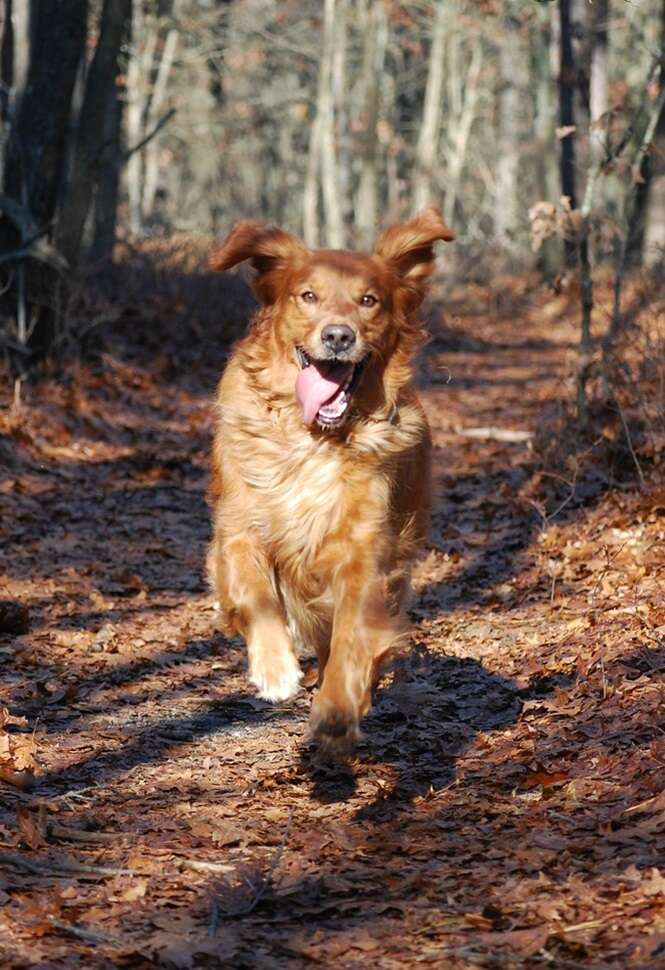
[(629, 441), (199, 866), (266, 881), (610, 337), (42, 866), (81, 932), (144, 141), (55, 831), (491, 433)]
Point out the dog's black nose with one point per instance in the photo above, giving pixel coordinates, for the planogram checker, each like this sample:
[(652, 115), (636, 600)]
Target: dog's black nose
[(338, 337)]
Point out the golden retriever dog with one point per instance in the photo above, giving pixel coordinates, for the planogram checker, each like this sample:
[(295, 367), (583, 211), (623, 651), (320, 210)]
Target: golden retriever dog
[(321, 463)]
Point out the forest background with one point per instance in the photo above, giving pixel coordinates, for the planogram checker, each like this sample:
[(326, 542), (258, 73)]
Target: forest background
[(536, 126), (506, 806)]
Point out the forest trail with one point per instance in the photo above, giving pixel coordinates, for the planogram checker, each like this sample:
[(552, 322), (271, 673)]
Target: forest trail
[(506, 804)]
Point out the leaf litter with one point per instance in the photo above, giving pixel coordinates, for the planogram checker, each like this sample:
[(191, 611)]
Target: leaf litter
[(506, 803)]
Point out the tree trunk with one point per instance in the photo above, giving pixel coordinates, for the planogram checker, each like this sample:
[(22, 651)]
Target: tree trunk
[(566, 81), (507, 202), (546, 46), (341, 110), (461, 124), (310, 197), (91, 147), (335, 235), (6, 58), (598, 79), (376, 39), (428, 138), (648, 241), (48, 47), (151, 165), (144, 42), (48, 44), (105, 214)]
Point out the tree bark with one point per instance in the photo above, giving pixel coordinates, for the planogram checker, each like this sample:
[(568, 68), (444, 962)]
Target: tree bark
[(544, 66), (376, 39), (48, 44), (461, 125), (341, 110), (507, 202), (105, 214), (334, 224), (648, 241), (566, 83), (598, 79), (428, 137), (91, 145), (151, 162), (47, 52), (144, 42)]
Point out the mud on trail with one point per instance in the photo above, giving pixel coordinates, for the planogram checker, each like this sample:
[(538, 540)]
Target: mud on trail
[(506, 806)]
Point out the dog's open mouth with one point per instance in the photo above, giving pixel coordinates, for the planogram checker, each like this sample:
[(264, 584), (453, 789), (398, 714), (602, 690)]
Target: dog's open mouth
[(324, 388)]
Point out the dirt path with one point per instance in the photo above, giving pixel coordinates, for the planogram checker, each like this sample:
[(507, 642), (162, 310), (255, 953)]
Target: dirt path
[(506, 805)]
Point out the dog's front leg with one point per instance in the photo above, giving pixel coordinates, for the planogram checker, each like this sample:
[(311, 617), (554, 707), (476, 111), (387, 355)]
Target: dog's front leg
[(246, 588), (364, 631)]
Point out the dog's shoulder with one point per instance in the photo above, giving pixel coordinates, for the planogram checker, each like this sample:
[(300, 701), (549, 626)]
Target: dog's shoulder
[(397, 429)]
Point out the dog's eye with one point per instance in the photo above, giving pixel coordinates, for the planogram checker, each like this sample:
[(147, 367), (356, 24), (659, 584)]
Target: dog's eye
[(309, 296), (368, 300)]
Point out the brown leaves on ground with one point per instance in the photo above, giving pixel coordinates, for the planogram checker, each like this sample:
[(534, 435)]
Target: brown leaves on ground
[(506, 805)]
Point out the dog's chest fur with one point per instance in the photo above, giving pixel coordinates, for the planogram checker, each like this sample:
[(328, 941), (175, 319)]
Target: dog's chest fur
[(302, 487)]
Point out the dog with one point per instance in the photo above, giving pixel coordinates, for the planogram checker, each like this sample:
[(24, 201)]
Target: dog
[(320, 486)]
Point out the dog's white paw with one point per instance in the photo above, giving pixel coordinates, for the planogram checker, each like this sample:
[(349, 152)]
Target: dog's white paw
[(279, 682)]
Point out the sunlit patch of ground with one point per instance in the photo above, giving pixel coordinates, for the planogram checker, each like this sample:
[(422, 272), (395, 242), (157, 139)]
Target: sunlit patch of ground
[(506, 806)]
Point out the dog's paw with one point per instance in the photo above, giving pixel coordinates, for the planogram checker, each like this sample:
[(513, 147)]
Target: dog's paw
[(277, 682), (336, 730)]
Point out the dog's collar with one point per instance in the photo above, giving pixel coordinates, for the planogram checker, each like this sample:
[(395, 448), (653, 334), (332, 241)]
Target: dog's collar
[(392, 417)]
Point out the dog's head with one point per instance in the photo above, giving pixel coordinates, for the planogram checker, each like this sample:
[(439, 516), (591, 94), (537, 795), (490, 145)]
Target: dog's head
[(340, 317)]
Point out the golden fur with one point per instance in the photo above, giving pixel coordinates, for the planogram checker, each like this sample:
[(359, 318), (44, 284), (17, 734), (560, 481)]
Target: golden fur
[(315, 528)]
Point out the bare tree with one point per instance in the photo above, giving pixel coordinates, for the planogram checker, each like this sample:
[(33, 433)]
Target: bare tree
[(648, 241), (91, 139), (428, 137), (45, 46), (598, 79), (334, 223), (460, 126), (508, 207), (376, 40), (566, 84)]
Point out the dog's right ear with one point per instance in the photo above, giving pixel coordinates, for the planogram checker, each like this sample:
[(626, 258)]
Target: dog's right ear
[(270, 249)]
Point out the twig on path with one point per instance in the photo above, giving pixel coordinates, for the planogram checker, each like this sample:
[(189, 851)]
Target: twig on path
[(43, 866), (490, 433), (72, 793), (647, 804), (259, 887), (81, 932), (629, 440), (279, 851), (197, 866), (23, 780), (81, 835)]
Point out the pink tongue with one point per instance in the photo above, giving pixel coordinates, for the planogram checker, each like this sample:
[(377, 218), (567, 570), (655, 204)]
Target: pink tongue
[(314, 386)]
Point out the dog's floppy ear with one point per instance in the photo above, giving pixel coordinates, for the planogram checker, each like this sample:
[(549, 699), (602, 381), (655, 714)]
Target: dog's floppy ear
[(269, 249), (408, 247)]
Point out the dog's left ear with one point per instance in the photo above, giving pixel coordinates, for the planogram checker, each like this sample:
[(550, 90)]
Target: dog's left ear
[(408, 247), (269, 248), (264, 244)]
